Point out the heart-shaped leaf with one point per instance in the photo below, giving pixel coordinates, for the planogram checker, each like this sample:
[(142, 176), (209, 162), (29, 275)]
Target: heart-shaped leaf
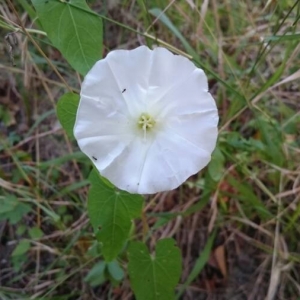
[(111, 212), (154, 277), (73, 29)]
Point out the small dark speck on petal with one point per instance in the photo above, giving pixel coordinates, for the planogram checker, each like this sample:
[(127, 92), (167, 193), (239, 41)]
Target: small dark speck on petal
[(124, 91), (94, 158)]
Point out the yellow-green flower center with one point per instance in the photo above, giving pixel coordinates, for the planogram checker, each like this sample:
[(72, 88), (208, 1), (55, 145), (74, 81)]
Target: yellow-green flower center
[(146, 123)]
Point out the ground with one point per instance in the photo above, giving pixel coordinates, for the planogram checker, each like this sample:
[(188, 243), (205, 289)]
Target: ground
[(236, 222)]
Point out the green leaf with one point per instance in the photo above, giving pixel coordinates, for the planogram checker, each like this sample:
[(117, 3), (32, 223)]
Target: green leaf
[(35, 233), (12, 209), (96, 275), (8, 204), (21, 249), (111, 212), (73, 29), (66, 112), (115, 271), (154, 277), (216, 166)]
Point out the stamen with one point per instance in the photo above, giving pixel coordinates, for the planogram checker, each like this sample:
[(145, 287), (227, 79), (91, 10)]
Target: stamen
[(146, 123)]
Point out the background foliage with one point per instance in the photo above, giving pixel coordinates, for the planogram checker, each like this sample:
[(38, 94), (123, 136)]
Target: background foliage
[(236, 223)]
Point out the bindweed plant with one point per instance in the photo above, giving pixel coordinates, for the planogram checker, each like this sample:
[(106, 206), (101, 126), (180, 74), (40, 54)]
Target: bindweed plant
[(147, 122), (120, 218)]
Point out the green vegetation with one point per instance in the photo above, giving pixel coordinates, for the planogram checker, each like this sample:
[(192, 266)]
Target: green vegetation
[(236, 223)]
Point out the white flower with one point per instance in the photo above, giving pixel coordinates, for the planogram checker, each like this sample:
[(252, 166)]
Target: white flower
[(146, 119)]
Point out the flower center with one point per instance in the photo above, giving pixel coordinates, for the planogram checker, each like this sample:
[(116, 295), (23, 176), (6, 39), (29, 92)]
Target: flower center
[(146, 123)]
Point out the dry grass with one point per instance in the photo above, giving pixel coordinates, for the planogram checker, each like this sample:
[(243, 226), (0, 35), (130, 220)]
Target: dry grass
[(253, 207)]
